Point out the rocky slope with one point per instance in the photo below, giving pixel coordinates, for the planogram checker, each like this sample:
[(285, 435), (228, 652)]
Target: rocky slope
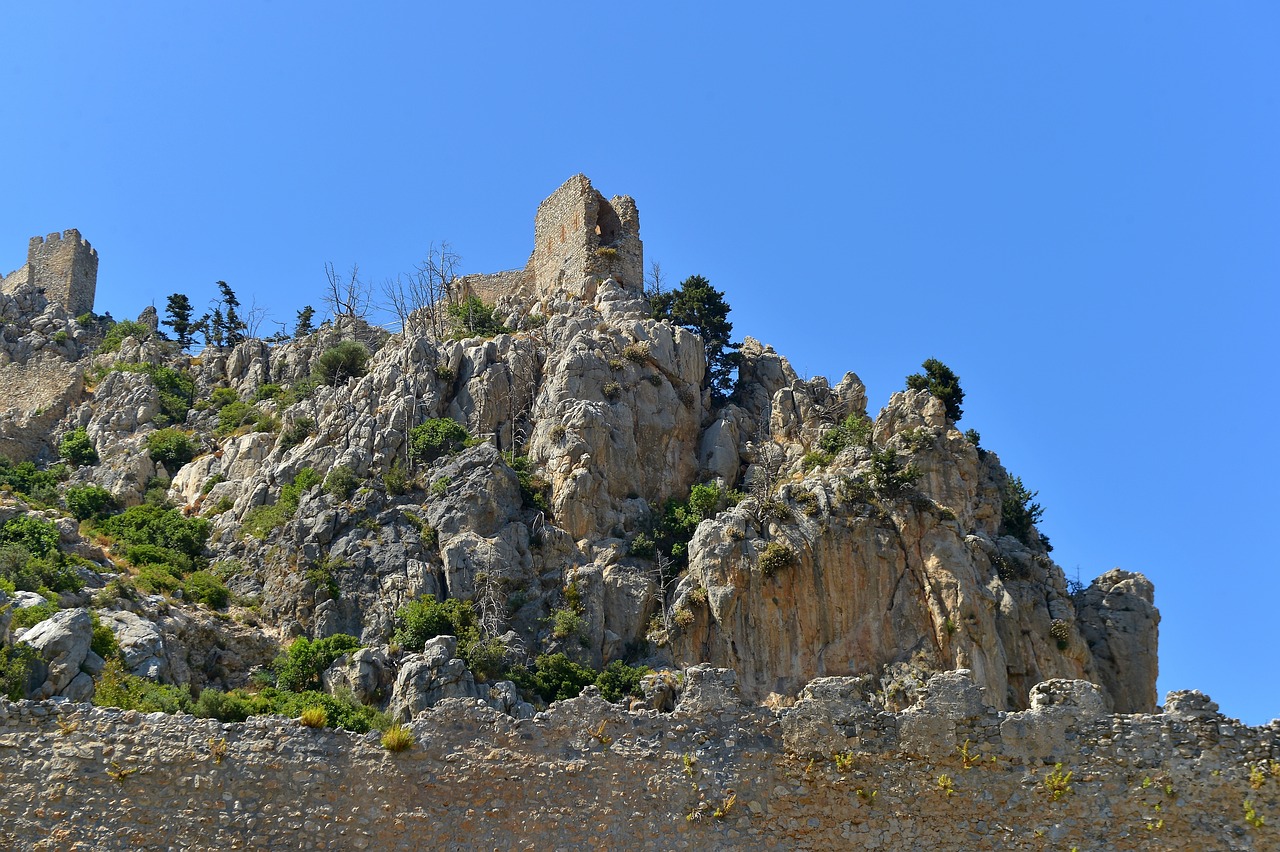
[(587, 417)]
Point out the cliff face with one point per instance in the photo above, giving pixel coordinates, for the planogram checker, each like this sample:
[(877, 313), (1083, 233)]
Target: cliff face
[(587, 419)]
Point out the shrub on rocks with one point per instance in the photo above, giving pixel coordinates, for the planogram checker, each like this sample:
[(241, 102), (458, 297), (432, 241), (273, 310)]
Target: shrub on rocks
[(437, 437), (171, 447), (77, 449), (347, 360)]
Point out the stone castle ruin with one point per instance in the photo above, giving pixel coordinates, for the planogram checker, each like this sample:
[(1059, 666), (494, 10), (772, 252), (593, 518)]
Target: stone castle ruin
[(64, 266), (580, 240)]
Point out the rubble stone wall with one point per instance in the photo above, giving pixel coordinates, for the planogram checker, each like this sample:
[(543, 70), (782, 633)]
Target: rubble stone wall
[(827, 773)]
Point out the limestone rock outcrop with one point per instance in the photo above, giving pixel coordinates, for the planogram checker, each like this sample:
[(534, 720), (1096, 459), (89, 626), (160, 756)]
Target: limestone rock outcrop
[(852, 554), (67, 662), (1118, 619)]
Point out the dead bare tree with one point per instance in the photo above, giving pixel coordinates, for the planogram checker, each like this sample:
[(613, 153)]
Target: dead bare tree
[(347, 295), (664, 580), (436, 284), (489, 599), (254, 317), (655, 281)]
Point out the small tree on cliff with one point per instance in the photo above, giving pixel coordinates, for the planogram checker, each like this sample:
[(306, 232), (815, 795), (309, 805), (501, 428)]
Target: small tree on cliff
[(701, 308), (178, 317), (938, 380)]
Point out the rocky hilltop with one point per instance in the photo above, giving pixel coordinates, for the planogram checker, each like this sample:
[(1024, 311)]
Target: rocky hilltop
[(561, 511), (808, 539)]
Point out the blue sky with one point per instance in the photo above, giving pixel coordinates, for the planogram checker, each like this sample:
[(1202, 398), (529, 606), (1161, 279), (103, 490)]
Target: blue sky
[(1076, 208)]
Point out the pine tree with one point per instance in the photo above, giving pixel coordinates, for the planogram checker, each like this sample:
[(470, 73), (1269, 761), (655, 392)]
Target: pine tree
[(305, 326), (234, 326), (178, 311), (701, 308), (942, 383)]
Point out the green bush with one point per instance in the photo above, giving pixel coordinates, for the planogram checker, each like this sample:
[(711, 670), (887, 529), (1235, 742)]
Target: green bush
[(177, 390), (203, 587), (486, 658), (675, 527), (151, 554), (38, 537), (298, 431), (396, 479), (117, 688), (347, 360), (436, 437), (473, 318), (267, 391), (427, 618), (938, 380), (104, 642), (853, 431), (158, 579), (340, 482), (222, 397), (567, 623), (642, 547), (816, 458), (171, 447), (22, 571), (554, 677), (16, 664), (77, 449), (888, 476), (88, 501), (535, 490), (25, 478), (155, 525), (119, 331), (233, 415), (618, 680), (341, 711), (299, 668), (321, 576)]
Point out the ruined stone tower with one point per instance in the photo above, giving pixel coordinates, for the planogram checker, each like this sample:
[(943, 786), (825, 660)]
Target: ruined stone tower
[(580, 239), (64, 265)]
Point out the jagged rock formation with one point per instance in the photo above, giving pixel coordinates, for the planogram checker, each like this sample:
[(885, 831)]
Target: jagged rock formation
[(880, 575)]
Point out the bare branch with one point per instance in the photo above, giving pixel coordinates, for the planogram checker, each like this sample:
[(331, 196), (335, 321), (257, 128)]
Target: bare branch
[(347, 295)]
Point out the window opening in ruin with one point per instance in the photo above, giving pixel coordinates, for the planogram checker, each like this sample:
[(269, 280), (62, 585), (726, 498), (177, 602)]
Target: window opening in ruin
[(608, 225)]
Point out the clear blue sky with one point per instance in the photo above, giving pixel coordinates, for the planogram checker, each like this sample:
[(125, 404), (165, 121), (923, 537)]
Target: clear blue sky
[(1075, 207)]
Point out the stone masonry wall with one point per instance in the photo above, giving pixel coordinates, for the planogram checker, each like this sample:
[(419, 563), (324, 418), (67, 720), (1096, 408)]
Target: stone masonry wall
[(580, 239), (828, 773)]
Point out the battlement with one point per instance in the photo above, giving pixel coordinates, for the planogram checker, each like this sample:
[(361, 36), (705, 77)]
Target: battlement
[(64, 265), (71, 236)]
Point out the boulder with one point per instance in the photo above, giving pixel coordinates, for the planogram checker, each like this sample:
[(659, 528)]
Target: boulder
[(62, 643)]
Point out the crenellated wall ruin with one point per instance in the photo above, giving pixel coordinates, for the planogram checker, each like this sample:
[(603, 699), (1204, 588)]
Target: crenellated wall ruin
[(64, 265)]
